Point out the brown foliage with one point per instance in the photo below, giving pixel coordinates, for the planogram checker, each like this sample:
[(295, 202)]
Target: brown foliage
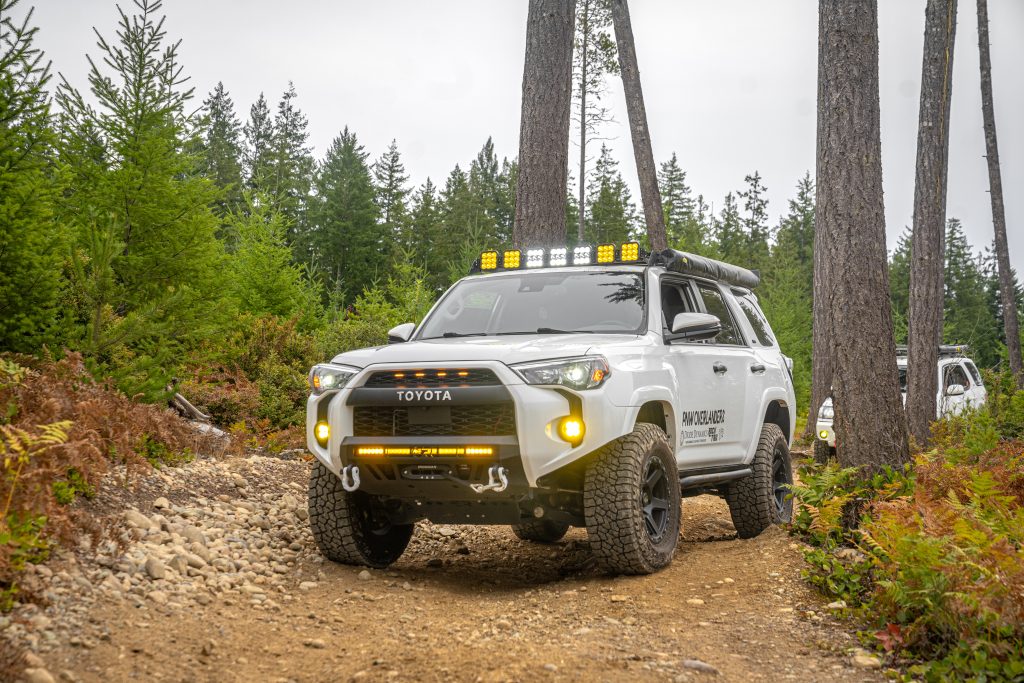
[(55, 419)]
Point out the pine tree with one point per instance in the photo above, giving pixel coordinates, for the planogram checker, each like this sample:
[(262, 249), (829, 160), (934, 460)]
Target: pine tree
[(755, 221), (730, 239), (346, 244), (611, 214), (485, 186), (291, 168), (222, 149), (263, 277), (391, 193), (684, 230), (899, 285), (151, 269), (968, 318), (594, 57), (424, 236), (30, 239), (259, 133)]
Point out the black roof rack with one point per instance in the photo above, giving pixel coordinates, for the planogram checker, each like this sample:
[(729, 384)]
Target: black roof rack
[(701, 266)]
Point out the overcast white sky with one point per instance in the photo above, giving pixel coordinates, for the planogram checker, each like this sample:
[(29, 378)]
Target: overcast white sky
[(729, 85)]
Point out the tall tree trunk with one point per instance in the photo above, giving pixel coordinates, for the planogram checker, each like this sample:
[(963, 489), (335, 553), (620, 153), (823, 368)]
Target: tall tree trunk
[(995, 182), (870, 425), (544, 129), (821, 326), (648, 174), (584, 58), (924, 322)]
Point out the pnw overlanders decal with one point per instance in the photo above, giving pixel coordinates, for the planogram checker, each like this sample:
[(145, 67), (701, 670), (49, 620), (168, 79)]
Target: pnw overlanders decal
[(703, 426)]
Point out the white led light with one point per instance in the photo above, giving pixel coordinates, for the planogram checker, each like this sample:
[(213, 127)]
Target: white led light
[(534, 258), (581, 256), (557, 257)]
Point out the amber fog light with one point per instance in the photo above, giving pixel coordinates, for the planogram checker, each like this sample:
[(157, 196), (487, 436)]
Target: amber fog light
[(322, 432), (571, 429)]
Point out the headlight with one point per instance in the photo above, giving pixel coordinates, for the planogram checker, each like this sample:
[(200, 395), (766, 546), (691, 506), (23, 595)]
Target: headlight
[(585, 372), (329, 377), (826, 413)]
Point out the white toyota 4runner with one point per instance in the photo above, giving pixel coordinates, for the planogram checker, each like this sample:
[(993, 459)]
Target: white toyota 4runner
[(960, 388), (589, 387)]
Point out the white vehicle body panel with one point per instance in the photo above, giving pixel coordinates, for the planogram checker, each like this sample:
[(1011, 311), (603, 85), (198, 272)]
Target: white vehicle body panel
[(951, 370), (644, 369)]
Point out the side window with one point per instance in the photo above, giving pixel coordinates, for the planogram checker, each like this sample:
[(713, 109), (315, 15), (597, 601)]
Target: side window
[(757, 320), (975, 375), (676, 298), (715, 305), (955, 375)]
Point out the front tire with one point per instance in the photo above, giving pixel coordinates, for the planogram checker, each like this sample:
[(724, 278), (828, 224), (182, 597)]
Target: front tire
[(762, 499), (350, 528), (541, 530), (631, 502)]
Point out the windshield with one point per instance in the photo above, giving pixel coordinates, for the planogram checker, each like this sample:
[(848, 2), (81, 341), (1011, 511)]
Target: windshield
[(540, 303)]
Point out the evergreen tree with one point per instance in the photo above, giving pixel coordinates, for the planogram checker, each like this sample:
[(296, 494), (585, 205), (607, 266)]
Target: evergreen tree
[(291, 168), (263, 277), (505, 211), (259, 134), (730, 240), (611, 214), (392, 192), (786, 291), (222, 149), (684, 230), (30, 240), (424, 237), (148, 261), (899, 285), (968, 318), (485, 186), (755, 221), (345, 239)]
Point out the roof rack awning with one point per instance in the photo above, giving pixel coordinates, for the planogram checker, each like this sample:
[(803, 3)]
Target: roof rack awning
[(701, 266)]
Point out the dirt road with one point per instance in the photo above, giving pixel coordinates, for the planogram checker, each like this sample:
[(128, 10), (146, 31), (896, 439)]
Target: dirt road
[(220, 581)]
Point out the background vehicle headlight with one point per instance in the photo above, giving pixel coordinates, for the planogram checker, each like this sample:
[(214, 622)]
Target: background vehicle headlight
[(329, 377), (585, 372), (826, 413)]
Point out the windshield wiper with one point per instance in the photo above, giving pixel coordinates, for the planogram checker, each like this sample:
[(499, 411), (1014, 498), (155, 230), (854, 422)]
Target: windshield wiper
[(547, 330), (452, 335)]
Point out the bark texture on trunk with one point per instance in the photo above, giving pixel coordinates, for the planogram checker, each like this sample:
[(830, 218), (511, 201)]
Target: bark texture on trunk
[(544, 128), (870, 424), (584, 56), (928, 237), (821, 344), (648, 174), (1010, 322)]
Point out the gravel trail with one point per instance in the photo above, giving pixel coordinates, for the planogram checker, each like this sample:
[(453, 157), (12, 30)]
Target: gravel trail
[(216, 578)]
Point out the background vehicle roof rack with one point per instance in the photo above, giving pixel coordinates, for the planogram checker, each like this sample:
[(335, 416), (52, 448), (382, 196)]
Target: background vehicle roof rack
[(944, 350), (701, 266)]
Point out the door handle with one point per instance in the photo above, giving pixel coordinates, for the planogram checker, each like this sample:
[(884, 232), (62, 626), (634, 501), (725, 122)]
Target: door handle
[(757, 369), (719, 368)]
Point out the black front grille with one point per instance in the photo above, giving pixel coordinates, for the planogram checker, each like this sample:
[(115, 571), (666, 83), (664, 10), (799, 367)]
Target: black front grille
[(414, 379), (497, 419)]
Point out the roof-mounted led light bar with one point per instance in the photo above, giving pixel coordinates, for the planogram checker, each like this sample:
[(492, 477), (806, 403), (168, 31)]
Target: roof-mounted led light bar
[(557, 257)]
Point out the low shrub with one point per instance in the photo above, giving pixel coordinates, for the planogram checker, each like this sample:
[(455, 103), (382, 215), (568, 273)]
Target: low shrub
[(933, 561), (59, 432)]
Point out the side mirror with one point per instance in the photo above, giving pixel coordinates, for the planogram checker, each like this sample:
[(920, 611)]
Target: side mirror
[(401, 333), (955, 390), (695, 326)]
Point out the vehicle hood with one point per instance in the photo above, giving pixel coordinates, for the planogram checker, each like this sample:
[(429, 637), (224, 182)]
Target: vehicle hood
[(507, 349)]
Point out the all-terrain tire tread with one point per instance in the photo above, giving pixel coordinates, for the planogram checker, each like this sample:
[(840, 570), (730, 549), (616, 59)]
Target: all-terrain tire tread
[(333, 519), (751, 502), (610, 503)]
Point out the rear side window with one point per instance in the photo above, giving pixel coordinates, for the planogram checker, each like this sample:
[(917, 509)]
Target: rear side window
[(757, 321), (974, 373), (715, 305), (956, 375)]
